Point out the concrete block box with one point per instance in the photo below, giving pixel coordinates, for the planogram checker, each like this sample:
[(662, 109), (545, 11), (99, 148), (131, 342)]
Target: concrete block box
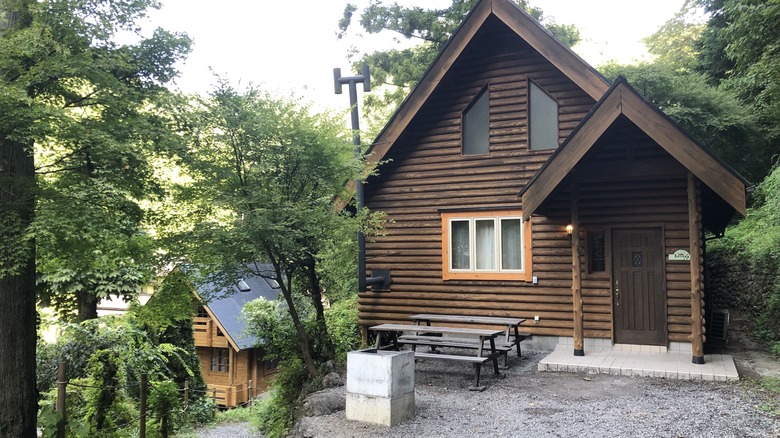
[(380, 386)]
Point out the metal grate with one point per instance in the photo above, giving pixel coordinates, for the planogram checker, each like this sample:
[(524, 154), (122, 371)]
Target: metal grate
[(719, 324), (636, 259)]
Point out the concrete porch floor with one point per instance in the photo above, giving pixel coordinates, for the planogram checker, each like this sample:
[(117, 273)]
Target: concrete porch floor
[(624, 362)]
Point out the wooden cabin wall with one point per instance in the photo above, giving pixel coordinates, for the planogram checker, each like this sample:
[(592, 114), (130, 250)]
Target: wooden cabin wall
[(427, 173), (634, 194)]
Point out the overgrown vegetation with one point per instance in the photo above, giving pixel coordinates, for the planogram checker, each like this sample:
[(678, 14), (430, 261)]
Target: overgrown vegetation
[(106, 358), (749, 261)]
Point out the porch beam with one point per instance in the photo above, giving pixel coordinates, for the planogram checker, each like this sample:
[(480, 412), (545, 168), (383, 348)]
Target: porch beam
[(694, 236), (576, 278)]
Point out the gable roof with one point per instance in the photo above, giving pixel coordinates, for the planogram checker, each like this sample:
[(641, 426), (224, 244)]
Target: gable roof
[(526, 28), (225, 303), (622, 99)]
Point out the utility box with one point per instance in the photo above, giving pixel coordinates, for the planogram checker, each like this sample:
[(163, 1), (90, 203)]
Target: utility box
[(380, 386)]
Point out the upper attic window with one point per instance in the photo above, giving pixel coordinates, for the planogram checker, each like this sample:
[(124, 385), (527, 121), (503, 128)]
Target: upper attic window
[(543, 119), (476, 129)]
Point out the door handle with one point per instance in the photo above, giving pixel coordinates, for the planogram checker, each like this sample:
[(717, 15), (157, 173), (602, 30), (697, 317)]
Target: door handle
[(617, 293)]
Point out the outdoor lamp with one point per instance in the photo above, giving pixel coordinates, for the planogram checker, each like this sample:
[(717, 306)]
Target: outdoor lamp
[(569, 230)]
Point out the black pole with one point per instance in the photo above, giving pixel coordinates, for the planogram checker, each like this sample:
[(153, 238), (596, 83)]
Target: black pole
[(352, 82)]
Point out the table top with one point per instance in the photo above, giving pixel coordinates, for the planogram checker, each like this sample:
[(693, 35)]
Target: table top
[(437, 329), (466, 319)]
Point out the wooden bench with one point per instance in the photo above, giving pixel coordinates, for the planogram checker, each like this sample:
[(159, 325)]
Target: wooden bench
[(512, 336), (479, 339)]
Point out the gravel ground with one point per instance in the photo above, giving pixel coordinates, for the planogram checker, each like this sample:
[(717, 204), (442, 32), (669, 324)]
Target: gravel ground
[(232, 430), (530, 403)]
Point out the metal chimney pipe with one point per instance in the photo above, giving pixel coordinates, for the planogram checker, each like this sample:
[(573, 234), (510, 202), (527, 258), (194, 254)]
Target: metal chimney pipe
[(352, 82)]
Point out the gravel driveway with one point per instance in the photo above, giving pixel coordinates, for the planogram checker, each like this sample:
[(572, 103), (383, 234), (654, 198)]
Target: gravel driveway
[(534, 404), (528, 403)]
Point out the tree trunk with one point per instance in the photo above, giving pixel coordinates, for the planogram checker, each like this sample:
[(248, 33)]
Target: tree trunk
[(18, 396), (316, 298), (285, 284), (87, 305)]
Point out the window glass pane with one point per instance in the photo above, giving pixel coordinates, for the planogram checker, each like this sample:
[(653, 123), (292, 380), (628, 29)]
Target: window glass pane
[(485, 234), (596, 252), (511, 244), (459, 246), (476, 131), (543, 119)]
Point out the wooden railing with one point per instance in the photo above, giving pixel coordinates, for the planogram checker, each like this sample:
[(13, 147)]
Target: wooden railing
[(229, 395), (205, 333)]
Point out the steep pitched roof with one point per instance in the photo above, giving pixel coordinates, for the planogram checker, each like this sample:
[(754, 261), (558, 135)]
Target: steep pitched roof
[(622, 99), (225, 303), (526, 28)]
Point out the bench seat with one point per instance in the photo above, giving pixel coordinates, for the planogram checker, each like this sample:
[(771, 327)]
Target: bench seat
[(454, 357), (451, 342)]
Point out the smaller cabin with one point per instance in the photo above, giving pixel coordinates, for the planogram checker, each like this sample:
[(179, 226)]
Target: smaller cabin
[(233, 368)]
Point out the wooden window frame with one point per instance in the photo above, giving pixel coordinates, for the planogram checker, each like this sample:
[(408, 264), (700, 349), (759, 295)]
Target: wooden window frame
[(607, 253), (557, 121), (525, 274), (217, 364), (484, 91)]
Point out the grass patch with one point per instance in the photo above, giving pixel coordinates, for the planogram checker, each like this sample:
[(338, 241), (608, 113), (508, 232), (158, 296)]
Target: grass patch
[(771, 386), (236, 415)]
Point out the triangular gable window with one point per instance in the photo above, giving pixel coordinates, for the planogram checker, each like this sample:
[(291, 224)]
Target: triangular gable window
[(543, 119), (476, 129)]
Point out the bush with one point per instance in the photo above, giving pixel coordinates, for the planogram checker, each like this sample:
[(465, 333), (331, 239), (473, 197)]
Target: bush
[(744, 266), (342, 319), (276, 414)]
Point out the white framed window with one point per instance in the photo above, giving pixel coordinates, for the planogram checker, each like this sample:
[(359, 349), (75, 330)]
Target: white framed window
[(494, 245)]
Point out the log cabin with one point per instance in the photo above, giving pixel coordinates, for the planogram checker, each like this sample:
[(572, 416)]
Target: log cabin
[(519, 182), (233, 367)]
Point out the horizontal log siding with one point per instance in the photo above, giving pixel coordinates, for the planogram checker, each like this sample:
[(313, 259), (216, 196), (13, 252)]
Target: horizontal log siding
[(641, 201), (427, 173)]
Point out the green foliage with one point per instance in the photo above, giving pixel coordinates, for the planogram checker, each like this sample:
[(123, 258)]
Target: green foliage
[(268, 170), (676, 43), (165, 406), (277, 412), (752, 250), (713, 116), (106, 358), (89, 104), (740, 51), (269, 322), (342, 319), (240, 414), (396, 71)]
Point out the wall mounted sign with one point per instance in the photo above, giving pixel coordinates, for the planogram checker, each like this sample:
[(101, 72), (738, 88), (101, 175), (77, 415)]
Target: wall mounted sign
[(680, 255)]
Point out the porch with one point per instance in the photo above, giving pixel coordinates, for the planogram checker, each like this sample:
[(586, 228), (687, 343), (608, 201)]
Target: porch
[(230, 395), (636, 360)]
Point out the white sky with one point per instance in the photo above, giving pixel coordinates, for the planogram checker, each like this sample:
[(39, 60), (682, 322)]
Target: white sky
[(291, 47)]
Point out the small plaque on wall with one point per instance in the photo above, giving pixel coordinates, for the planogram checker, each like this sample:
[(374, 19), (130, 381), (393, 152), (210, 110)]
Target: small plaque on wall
[(680, 255)]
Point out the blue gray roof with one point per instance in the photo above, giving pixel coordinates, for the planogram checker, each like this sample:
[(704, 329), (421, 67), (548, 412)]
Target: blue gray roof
[(226, 302)]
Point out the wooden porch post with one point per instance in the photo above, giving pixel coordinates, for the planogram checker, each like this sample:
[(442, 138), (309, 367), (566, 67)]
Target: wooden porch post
[(697, 276), (576, 279)]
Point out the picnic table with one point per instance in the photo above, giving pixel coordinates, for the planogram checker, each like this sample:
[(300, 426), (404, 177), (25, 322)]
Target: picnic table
[(512, 335), (456, 337)]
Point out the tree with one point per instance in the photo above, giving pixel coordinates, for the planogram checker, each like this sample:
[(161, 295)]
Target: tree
[(742, 54), (66, 87), (676, 43), (399, 70), (270, 171), (713, 116)]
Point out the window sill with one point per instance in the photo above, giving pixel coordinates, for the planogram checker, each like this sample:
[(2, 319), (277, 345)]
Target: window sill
[(522, 276)]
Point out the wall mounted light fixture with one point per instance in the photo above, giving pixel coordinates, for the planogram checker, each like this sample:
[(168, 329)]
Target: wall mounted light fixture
[(569, 230)]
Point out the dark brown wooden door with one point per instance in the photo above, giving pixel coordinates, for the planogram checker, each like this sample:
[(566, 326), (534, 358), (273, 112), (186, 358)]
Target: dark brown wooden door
[(638, 289)]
